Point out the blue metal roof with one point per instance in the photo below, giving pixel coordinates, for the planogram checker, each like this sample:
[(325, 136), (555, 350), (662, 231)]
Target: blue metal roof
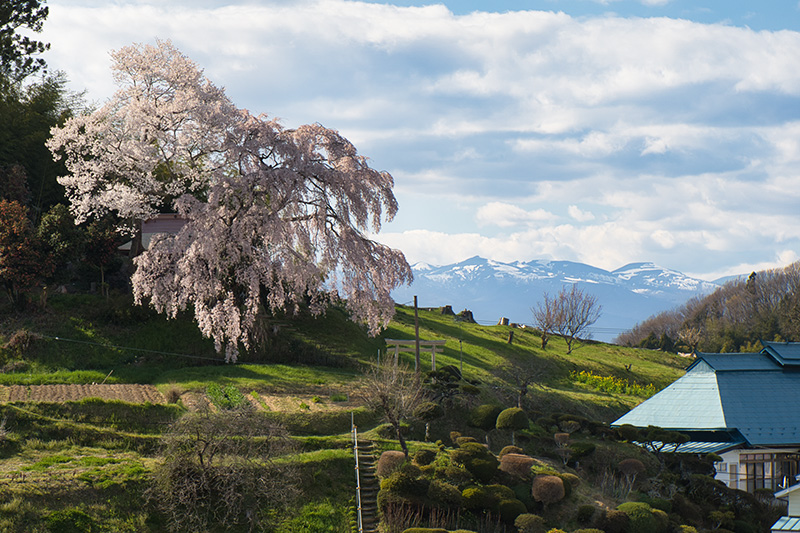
[(749, 393), (785, 353), (787, 523), (692, 446), (734, 362), (691, 402)]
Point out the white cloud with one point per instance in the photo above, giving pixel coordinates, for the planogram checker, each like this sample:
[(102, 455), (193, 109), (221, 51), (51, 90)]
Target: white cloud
[(508, 215), (580, 216), (683, 138)]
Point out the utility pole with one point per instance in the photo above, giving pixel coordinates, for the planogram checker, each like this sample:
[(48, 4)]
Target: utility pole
[(416, 337), (461, 359)]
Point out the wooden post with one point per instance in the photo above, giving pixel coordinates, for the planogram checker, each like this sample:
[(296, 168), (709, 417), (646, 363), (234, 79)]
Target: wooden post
[(416, 337)]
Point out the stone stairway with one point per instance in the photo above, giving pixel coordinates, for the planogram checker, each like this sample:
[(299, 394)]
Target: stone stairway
[(369, 485)]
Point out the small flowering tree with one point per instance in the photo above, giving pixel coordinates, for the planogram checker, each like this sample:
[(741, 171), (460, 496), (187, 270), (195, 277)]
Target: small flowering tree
[(275, 217)]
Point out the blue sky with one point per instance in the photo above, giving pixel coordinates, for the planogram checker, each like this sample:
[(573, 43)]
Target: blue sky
[(601, 132)]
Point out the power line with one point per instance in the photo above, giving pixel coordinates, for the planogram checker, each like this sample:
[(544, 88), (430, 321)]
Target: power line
[(129, 348)]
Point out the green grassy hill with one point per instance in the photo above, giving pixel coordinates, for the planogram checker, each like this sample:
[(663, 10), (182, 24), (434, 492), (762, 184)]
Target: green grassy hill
[(86, 464)]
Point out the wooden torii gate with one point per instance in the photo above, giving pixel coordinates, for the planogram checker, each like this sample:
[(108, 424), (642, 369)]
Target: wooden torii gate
[(411, 346)]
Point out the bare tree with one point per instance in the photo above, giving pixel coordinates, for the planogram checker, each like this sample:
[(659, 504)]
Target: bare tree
[(219, 469), (545, 317), (396, 393), (569, 313), (578, 311)]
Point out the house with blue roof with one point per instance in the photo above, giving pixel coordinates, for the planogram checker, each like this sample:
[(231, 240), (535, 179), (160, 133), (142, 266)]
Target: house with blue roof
[(745, 407), (790, 522)]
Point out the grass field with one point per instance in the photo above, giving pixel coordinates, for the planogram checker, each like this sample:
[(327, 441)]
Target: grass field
[(85, 464)]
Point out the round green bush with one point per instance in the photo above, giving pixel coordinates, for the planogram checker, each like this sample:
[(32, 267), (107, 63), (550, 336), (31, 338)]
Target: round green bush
[(484, 416), (424, 457), (510, 449), (402, 483), (501, 492), (483, 468), (530, 523), (510, 509), (460, 441), (453, 474), (614, 521), (477, 498), (642, 517), (585, 514), (582, 449), (468, 388), (444, 494), (512, 418), (428, 411), (628, 432)]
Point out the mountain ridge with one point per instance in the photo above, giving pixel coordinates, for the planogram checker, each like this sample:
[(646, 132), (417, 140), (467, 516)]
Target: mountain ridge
[(493, 289)]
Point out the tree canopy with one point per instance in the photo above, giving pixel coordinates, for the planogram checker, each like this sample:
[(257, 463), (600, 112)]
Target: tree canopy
[(17, 51), (275, 218)]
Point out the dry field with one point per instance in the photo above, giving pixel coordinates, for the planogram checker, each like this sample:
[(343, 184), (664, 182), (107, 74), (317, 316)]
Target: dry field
[(72, 392)]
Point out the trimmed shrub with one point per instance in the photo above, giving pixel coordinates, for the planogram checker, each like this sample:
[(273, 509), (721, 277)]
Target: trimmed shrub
[(581, 449), (570, 479), (484, 469), (585, 514), (657, 503), (476, 498), (523, 493), (516, 464), (424, 457), (501, 492), (613, 521), (460, 441), (512, 418), (484, 416), (425, 530), (402, 483), (456, 475), (628, 432), (630, 468), (477, 459), (643, 518), (510, 449), (445, 494), (388, 462), (510, 509), (428, 411), (683, 528), (547, 489), (530, 523)]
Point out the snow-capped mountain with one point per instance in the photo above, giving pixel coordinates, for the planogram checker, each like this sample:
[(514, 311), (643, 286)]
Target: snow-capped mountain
[(492, 289)]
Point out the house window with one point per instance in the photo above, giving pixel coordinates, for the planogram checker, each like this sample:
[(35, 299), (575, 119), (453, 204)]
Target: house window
[(769, 470)]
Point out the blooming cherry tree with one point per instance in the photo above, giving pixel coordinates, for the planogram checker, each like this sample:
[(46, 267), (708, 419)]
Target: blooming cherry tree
[(275, 217)]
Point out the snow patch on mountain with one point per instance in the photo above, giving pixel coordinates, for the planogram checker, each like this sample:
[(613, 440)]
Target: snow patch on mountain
[(493, 289)]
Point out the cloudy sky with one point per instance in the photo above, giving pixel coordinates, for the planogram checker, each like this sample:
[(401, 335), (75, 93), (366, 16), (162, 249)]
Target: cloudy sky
[(605, 132)]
